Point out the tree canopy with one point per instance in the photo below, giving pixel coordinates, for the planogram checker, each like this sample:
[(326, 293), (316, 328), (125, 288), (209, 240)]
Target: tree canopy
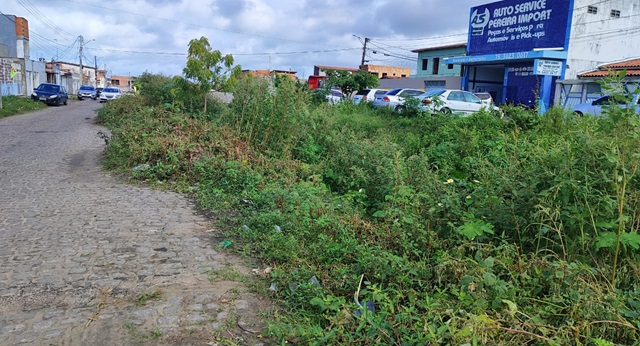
[(349, 82), (209, 67)]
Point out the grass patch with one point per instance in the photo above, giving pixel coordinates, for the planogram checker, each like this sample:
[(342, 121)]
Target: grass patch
[(141, 336), (144, 298), (12, 105)]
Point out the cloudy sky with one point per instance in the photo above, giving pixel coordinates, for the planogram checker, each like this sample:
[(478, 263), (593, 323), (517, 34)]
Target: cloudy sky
[(136, 36)]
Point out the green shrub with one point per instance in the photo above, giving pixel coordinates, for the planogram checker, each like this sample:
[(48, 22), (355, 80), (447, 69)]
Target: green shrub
[(455, 230)]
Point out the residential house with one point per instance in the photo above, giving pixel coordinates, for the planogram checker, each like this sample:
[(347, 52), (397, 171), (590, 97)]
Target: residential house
[(18, 73), (124, 83), (433, 69), (384, 72), (72, 75)]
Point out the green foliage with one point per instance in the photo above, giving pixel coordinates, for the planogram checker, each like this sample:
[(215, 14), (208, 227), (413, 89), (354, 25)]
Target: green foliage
[(349, 82), (12, 105), (392, 230), (209, 68)]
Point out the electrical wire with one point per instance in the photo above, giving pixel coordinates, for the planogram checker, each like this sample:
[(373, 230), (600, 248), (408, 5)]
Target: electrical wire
[(43, 19)]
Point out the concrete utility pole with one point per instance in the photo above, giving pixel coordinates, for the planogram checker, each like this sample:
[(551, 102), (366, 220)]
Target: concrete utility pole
[(95, 61), (364, 52), (81, 40)]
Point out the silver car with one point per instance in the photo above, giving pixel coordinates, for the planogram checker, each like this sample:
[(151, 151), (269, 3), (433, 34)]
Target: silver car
[(596, 107), (368, 95), (395, 98), (452, 101)]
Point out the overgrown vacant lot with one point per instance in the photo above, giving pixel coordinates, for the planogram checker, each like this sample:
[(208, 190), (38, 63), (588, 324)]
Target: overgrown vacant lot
[(383, 229)]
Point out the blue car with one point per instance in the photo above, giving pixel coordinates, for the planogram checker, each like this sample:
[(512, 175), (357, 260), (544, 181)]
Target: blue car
[(596, 107), (50, 94)]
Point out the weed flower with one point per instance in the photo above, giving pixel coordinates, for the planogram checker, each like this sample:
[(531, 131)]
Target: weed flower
[(450, 181)]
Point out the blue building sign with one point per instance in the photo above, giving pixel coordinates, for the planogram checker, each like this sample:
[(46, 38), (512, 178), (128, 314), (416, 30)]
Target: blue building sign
[(519, 25)]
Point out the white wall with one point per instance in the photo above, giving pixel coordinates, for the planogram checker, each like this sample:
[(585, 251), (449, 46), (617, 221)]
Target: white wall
[(600, 38)]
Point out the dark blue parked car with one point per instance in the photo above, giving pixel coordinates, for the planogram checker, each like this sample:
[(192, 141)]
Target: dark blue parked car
[(51, 94)]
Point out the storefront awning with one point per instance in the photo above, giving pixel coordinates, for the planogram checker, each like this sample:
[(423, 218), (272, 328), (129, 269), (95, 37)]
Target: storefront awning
[(506, 57)]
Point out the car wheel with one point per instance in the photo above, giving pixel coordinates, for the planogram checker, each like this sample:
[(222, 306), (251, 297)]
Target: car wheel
[(445, 110), (401, 109), (65, 102), (578, 113)]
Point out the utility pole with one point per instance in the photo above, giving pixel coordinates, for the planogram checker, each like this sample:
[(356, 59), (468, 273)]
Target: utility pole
[(364, 52), (95, 62), (81, 40)]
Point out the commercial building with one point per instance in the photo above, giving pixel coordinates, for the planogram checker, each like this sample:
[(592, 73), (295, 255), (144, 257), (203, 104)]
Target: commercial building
[(518, 50)]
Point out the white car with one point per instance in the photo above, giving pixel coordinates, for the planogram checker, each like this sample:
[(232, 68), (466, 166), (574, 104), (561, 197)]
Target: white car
[(109, 94), (335, 96), (368, 95), (452, 101), (394, 98), (485, 97)]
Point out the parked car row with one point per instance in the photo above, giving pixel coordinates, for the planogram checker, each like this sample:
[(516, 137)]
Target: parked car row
[(438, 100), (54, 94)]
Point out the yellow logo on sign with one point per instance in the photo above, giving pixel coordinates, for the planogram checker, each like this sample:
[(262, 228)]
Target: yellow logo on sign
[(13, 72)]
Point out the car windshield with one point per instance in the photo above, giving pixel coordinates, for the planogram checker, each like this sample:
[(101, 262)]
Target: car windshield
[(363, 92), (49, 88), (84, 87), (394, 91), (111, 90), (433, 92)]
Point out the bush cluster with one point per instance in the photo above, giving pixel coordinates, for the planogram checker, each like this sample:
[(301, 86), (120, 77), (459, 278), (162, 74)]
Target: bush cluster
[(389, 230)]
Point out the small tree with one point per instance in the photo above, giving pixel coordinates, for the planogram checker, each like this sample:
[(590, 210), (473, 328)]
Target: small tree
[(349, 82), (209, 67)]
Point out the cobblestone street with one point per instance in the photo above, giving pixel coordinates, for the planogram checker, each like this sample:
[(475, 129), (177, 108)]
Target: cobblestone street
[(87, 259)]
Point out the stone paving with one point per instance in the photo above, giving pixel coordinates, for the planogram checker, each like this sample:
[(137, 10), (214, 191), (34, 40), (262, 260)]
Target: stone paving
[(86, 259)]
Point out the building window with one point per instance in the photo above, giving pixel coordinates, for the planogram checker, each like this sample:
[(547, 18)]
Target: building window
[(450, 66), (384, 75), (436, 65), (425, 63), (615, 14), (403, 76), (592, 9)]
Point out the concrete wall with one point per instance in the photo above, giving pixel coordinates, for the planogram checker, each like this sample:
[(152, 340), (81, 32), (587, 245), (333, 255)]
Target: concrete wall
[(8, 37), (12, 85), (388, 71), (598, 38)]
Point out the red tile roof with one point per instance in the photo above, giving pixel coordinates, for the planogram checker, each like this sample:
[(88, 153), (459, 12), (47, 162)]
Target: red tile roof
[(604, 73), (633, 63), (632, 67)]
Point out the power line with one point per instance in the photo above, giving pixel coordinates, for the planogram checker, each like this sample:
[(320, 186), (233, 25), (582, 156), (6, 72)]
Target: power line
[(43, 19)]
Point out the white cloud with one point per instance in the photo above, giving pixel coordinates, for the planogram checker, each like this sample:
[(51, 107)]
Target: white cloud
[(125, 32)]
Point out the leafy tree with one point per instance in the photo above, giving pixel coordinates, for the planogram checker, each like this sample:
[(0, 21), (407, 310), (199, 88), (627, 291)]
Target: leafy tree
[(349, 82), (209, 67)]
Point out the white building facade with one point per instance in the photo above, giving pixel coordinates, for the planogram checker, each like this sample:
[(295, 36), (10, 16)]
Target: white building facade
[(602, 32)]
